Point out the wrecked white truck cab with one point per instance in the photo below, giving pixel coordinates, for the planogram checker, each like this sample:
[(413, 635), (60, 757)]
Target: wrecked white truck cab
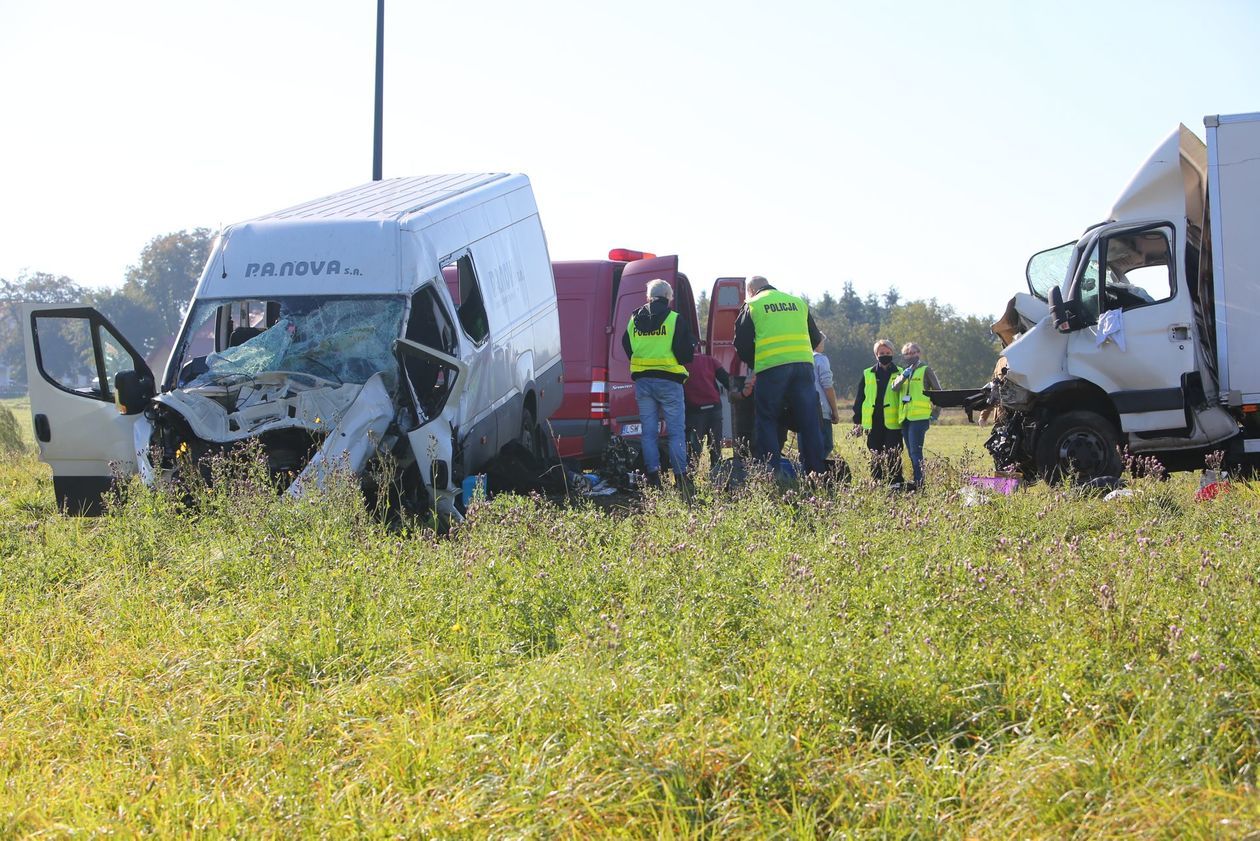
[(1141, 334), (414, 317)]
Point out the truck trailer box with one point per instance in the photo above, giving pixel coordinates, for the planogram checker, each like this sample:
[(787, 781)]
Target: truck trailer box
[(1234, 214)]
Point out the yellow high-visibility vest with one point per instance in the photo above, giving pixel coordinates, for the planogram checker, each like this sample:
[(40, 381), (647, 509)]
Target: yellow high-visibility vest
[(892, 411), (919, 406), (781, 324), (655, 351)]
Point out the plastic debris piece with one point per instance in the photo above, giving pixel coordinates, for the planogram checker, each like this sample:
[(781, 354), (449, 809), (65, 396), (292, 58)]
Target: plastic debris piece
[(1004, 485), (1211, 491), (973, 496)]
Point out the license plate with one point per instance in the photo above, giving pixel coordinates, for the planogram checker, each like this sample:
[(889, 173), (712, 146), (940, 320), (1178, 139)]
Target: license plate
[(632, 429)]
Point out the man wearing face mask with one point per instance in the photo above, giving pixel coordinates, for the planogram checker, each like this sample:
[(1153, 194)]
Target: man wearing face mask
[(917, 411), (877, 412)]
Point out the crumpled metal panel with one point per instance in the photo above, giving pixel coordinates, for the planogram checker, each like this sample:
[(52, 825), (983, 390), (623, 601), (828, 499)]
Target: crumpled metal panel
[(352, 442)]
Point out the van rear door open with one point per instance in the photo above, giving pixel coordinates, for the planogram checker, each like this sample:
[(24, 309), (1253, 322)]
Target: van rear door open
[(631, 294), (724, 307), (719, 340)]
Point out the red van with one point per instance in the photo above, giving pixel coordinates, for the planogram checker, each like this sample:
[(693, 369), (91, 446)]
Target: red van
[(596, 299)]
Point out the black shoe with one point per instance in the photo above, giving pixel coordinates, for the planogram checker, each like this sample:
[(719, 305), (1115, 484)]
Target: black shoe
[(653, 479)]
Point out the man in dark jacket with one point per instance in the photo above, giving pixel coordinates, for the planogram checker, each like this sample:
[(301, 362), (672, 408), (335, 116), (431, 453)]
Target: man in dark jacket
[(704, 405), (775, 335), (659, 344)]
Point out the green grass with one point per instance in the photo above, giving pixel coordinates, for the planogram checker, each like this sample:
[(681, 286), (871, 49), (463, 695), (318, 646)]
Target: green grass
[(844, 663)]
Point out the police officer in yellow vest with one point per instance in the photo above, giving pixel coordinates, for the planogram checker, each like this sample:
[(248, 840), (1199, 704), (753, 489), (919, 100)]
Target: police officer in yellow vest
[(659, 344), (877, 412), (775, 335), (917, 411)]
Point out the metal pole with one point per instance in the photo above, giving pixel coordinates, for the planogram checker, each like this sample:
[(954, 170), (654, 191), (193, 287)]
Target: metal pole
[(380, 84)]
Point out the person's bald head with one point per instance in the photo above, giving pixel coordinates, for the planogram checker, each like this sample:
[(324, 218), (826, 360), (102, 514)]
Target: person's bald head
[(756, 283)]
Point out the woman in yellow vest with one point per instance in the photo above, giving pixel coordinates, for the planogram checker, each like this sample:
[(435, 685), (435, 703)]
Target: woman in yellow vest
[(917, 411)]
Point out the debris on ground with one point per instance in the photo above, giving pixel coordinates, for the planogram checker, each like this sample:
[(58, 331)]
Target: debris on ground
[(1212, 484), (1103, 485), (971, 496), (591, 483), (1005, 485)]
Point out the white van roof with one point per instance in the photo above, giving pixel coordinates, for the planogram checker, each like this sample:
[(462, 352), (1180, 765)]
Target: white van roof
[(391, 198), (349, 242)]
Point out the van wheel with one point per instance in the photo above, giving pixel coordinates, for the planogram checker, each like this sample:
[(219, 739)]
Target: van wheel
[(530, 438), (1079, 446)]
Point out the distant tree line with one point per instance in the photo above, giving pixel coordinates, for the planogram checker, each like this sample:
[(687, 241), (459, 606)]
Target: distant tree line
[(960, 348), (147, 309), (150, 305)]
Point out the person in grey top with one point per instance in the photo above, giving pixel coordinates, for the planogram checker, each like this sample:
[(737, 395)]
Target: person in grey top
[(824, 384)]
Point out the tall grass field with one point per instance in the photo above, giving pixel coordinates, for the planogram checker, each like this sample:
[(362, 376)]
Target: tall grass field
[(843, 662)]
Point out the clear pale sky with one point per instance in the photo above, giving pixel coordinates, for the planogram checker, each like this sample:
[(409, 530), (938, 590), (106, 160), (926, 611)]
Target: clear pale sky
[(932, 146)]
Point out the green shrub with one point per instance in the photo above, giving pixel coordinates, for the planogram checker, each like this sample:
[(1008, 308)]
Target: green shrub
[(10, 433)]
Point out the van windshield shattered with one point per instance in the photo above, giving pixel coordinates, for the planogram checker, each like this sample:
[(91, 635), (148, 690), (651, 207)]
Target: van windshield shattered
[(340, 340)]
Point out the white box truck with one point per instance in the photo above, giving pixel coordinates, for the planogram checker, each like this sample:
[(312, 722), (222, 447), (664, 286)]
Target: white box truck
[(1142, 333), (411, 316)]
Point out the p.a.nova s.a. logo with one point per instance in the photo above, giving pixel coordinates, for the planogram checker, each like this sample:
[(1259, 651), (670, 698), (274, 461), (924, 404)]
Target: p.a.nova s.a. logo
[(299, 268)]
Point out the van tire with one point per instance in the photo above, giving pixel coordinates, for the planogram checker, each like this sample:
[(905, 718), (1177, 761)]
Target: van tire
[(531, 436), (1080, 446)]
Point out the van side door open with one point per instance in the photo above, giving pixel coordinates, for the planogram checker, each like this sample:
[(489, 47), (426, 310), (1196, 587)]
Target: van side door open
[(86, 433), (433, 383)]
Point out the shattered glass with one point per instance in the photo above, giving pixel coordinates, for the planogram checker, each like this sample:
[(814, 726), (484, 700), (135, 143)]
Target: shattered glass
[(1047, 269), (342, 340)]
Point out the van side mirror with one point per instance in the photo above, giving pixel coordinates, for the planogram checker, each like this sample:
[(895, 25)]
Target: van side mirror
[(132, 391), (1065, 321)]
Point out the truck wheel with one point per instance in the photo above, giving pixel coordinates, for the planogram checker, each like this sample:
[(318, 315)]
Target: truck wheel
[(1079, 445), (530, 437)]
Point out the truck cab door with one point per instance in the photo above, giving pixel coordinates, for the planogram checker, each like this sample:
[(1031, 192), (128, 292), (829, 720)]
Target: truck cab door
[(73, 355), (433, 382), (631, 294), (1139, 336)]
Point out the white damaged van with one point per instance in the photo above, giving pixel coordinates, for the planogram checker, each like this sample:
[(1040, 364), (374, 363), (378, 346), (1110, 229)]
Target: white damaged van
[(412, 316)]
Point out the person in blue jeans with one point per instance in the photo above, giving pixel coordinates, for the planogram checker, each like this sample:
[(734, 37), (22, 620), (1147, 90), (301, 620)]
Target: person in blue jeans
[(658, 399), (659, 344), (775, 335), (917, 411)]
